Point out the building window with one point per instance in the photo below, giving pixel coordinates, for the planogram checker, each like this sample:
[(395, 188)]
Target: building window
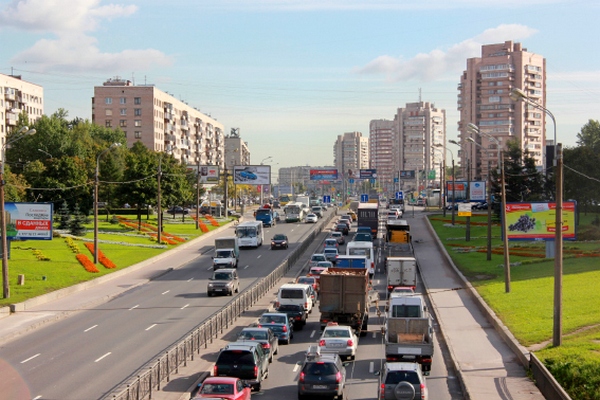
[(138, 112), (108, 123), (122, 100), (494, 99), (108, 112), (108, 100), (137, 134), (123, 123), (138, 122), (123, 111), (137, 100)]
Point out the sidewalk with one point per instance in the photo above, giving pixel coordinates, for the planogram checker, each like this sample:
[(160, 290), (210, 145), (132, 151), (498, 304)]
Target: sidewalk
[(487, 367)]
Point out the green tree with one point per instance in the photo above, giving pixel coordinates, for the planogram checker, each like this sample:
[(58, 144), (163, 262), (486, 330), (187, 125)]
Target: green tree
[(590, 136)]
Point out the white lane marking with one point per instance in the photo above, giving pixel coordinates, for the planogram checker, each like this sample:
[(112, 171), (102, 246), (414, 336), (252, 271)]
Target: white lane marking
[(90, 328), (191, 279), (374, 335), (187, 305), (150, 327), (165, 292), (296, 367), (259, 256), (371, 367), (30, 358), (37, 397), (106, 355), (209, 268), (246, 267), (134, 307), (312, 334)]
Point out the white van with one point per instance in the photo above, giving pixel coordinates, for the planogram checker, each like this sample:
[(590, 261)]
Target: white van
[(363, 249), (296, 294)]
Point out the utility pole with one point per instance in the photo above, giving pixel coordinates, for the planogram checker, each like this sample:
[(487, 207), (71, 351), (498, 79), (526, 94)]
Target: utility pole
[(558, 253), (489, 212), (505, 230), (160, 226)]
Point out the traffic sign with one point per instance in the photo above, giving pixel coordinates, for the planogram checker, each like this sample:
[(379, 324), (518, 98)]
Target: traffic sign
[(364, 198), (400, 195), (327, 199), (350, 180)]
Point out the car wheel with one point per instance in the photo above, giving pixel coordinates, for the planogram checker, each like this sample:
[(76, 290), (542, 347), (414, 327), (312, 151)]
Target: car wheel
[(302, 397), (209, 294), (237, 290), (231, 292), (404, 391), (257, 387)]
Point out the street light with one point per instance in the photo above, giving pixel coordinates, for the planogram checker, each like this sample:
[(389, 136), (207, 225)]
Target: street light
[(96, 182), (21, 133), (517, 94), (442, 181), (453, 180), (45, 152), (468, 194), (261, 186)]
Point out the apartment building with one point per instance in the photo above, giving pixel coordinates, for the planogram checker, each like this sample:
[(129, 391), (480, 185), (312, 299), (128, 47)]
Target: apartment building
[(484, 100), (237, 151), (18, 96), (159, 121), (383, 152)]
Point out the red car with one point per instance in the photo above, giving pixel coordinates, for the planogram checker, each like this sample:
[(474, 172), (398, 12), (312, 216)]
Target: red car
[(222, 387)]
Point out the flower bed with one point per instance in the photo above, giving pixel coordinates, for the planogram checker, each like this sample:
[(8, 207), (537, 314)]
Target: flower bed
[(87, 263), (101, 257)]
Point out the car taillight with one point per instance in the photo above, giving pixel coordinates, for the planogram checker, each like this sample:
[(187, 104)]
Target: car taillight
[(215, 371), (266, 345), (338, 377), (298, 317), (306, 306), (277, 304), (321, 343), (285, 328), (390, 287), (372, 265), (423, 391), (350, 342), (301, 378), (256, 371), (259, 326), (382, 391)]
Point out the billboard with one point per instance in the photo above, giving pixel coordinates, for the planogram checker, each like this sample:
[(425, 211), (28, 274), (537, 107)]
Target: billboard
[(323, 174), (368, 174), (459, 189), (407, 174), (30, 221), (537, 221), (477, 191), (252, 174), (208, 173)]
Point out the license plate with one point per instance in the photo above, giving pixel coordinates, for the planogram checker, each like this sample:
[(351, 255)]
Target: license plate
[(319, 386), (336, 345)]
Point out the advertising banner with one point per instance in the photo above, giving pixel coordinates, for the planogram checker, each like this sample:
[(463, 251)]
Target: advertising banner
[(537, 221), (31, 221), (368, 174), (252, 174), (464, 209), (323, 174), (407, 174), (459, 189), (209, 174), (477, 191)]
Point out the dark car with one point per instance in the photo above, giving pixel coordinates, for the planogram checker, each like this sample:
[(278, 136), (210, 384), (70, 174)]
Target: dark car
[(331, 253), (245, 360), (342, 227), (402, 380), (280, 324), (295, 312), (264, 336), (321, 375), (178, 210), (362, 237), (279, 241)]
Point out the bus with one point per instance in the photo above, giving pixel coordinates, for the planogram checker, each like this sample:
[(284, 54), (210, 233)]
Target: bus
[(363, 249), (284, 199), (294, 212), (368, 215), (250, 234)]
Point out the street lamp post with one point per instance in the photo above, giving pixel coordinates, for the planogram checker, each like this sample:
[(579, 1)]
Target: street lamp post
[(516, 95), (442, 181), (96, 184), (489, 206), (21, 133), (261, 186), (468, 224), (453, 181)]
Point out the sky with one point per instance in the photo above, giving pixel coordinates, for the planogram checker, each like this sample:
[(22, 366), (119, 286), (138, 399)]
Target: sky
[(292, 75)]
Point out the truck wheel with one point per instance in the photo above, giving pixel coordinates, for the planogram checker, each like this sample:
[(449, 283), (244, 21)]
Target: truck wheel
[(404, 391), (365, 326)]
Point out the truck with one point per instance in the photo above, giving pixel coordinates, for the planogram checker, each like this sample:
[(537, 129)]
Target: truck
[(344, 298), (398, 241), (409, 331), (352, 261), (401, 271), (227, 253), (368, 215), (266, 216), (361, 248)]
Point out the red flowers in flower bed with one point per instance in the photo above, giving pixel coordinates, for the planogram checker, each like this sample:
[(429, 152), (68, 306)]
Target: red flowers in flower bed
[(203, 227), (87, 263), (212, 220), (101, 257)]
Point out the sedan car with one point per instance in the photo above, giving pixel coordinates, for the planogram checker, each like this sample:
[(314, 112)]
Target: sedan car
[(331, 253), (311, 218), (264, 336), (342, 227), (339, 339), (338, 236), (309, 280), (223, 387), (296, 313), (321, 375), (315, 258), (279, 241), (331, 242), (280, 324)]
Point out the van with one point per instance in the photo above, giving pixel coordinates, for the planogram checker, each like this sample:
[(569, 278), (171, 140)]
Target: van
[(295, 293), (362, 248)]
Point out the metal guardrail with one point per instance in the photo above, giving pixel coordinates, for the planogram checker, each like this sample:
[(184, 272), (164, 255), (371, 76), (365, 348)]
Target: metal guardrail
[(149, 378)]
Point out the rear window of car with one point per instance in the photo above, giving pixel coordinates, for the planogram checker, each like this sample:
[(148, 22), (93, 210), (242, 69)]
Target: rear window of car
[(320, 369), (289, 307), (395, 377), (253, 335), (319, 257), (308, 281), (330, 250), (291, 294), (268, 319), (240, 357), (335, 333)]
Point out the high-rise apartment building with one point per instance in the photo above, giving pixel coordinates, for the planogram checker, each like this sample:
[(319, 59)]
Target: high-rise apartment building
[(18, 96), (351, 153), (484, 100), (159, 121), (383, 152), (237, 151)]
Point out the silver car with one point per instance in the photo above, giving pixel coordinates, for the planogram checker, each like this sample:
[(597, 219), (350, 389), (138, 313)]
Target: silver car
[(402, 380), (339, 339), (223, 281)]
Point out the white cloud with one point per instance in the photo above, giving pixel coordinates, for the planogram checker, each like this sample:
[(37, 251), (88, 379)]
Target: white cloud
[(437, 63)]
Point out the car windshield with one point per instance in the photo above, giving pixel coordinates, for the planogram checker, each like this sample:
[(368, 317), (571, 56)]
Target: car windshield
[(223, 276), (279, 237), (253, 335), (239, 357), (331, 250), (395, 377), (246, 232), (336, 333), (223, 253), (318, 368), (217, 388), (319, 257), (306, 280)]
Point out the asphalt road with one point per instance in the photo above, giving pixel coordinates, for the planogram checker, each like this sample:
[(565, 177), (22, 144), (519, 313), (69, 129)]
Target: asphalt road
[(89, 353)]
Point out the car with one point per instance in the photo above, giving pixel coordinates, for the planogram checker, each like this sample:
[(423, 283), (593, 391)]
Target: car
[(339, 339), (295, 312), (311, 218), (315, 258), (402, 380), (393, 214), (331, 242), (264, 336), (223, 387), (342, 227), (276, 204), (223, 281), (178, 210), (347, 218), (322, 374), (247, 175), (331, 253), (279, 241), (338, 236), (280, 324), (421, 202), (244, 360), (318, 210), (318, 270), (309, 280), (362, 237), (352, 215)]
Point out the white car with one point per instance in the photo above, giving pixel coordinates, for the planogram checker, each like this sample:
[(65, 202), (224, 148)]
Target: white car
[(311, 218), (315, 258), (339, 339)]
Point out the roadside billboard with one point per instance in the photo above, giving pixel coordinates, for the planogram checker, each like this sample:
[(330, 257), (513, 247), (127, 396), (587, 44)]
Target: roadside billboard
[(252, 174), (537, 221), (323, 174), (28, 221), (459, 189), (408, 174), (477, 191), (209, 174), (368, 174)]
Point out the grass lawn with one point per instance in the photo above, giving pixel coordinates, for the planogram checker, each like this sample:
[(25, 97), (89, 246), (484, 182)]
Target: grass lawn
[(121, 244)]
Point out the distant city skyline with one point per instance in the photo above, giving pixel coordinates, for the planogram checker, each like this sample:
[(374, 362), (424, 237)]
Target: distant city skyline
[(293, 75)]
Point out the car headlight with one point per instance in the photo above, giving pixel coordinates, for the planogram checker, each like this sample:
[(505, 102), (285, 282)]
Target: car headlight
[(210, 285)]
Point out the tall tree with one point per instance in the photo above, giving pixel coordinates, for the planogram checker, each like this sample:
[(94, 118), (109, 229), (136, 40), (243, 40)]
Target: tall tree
[(590, 136)]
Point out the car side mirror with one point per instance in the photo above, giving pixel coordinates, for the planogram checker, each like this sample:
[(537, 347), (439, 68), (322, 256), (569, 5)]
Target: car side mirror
[(377, 373)]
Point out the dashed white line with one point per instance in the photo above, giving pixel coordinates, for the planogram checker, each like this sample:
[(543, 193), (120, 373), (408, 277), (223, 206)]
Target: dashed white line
[(296, 367), (134, 307), (37, 397), (246, 267), (312, 334), (259, 256), (165, 292), (106, 355), (371, 367), (209, 268), (90, 328), (191, 279), (30, 358), (187, 305), (374, 335), (150, 327)]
